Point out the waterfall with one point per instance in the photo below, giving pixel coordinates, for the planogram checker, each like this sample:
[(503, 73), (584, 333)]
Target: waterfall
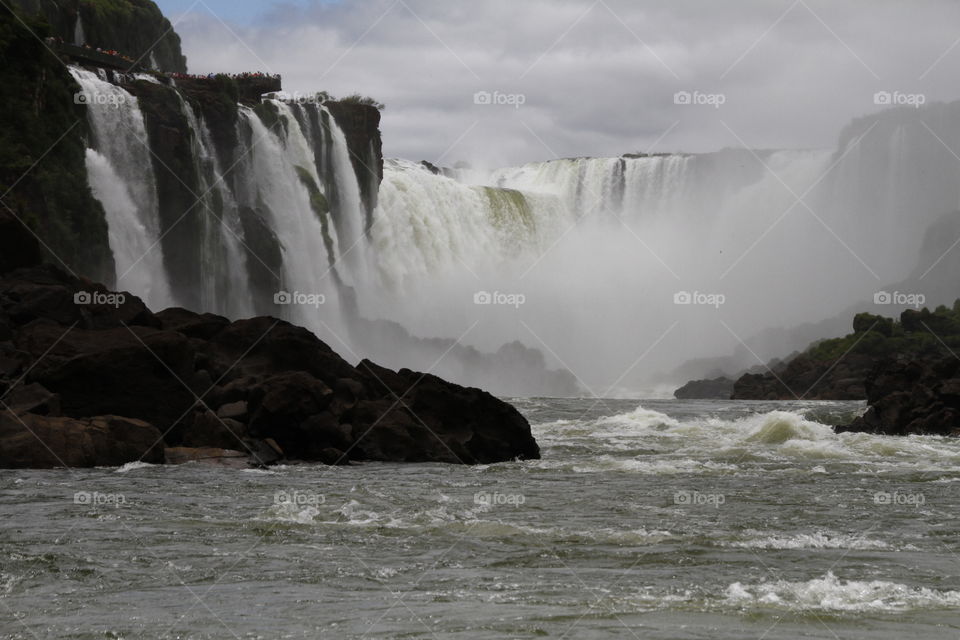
[(120, 171), (79, 38), (224, 287), (596, 247), (280, 180)]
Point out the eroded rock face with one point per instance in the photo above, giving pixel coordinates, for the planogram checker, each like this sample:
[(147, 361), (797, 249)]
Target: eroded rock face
[(911, 396), (194, 383)]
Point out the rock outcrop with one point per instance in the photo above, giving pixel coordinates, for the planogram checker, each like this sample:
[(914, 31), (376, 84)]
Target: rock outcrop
[(838, 369), (92, 377), (908, 396), (716, 389), (43, 175), (808, 378)]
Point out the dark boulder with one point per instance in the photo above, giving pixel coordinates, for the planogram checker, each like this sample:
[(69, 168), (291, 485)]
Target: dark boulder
[(912, 397), (19, 246), (44, 442), (194, 382)]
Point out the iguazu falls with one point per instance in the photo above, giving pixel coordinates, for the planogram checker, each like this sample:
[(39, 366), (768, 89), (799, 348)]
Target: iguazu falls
[(421, 319)]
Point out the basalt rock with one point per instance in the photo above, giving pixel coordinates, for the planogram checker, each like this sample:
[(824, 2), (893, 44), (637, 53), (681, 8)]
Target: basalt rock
[(41, 442), (253, 391), (912, 397)]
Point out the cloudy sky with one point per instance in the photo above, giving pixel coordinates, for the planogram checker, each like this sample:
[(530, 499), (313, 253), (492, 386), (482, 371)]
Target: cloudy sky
[(498, 82)]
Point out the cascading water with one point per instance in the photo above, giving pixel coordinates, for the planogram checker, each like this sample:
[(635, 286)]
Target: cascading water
[(224, 286), (79, 38), (120, 171), (595, 248)]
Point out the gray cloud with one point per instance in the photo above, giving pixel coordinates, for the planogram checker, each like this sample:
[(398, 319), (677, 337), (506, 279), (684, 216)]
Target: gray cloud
[(598, 77)]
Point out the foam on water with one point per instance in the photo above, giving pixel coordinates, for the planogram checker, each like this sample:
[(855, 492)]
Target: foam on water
[(705, 444), (831, 593), (819, 540), (135, 466)]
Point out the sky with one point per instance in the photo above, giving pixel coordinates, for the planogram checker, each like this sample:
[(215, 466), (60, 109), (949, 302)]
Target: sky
[(503, 82)]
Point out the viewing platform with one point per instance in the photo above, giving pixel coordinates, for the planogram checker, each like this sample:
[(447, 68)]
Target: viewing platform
[(86, 55)]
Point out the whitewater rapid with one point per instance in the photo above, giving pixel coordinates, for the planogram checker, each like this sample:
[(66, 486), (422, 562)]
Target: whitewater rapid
[(673, 519)]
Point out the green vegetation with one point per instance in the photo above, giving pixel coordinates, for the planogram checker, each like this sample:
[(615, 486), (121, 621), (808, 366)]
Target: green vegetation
[(43, 176), (320, 206), (916, 333), (355, 98)]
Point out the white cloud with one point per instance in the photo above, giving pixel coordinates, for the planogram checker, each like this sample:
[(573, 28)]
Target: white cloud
[(598, 77)]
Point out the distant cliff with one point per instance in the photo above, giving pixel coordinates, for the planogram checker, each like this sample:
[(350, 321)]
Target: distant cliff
[(135, 28)]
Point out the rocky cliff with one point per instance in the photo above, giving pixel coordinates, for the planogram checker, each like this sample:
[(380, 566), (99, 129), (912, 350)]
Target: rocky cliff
[(42, 142), (135, 28)]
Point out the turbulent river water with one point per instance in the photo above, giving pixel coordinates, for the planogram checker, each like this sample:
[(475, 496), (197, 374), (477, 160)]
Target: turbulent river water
[(666, 519)]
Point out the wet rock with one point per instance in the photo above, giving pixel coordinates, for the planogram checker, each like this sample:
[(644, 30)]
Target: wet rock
[(912, 397), (44, 442), (207, 455)]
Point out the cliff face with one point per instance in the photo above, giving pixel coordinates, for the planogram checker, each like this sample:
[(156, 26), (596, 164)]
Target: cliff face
[(42, 146), (180, 179), (361, 126), (135, 28)]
